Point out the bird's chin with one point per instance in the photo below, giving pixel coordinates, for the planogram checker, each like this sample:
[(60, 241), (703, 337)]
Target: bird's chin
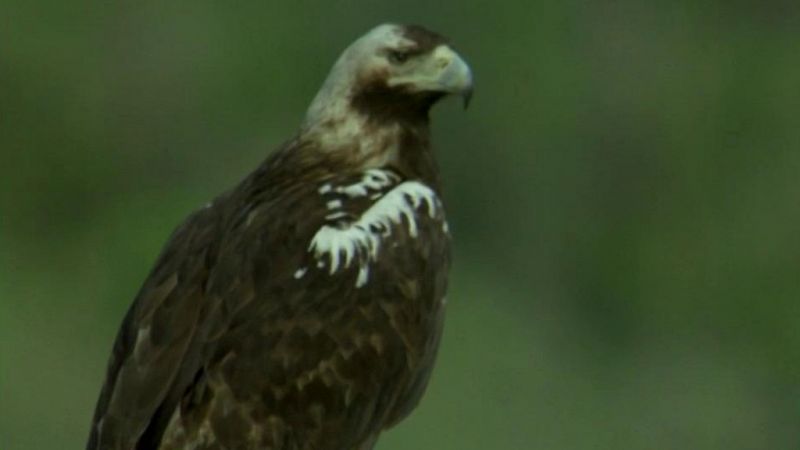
[(430, 98)]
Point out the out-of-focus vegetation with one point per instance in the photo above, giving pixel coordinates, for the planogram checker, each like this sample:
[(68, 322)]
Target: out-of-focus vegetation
[(624, 194)]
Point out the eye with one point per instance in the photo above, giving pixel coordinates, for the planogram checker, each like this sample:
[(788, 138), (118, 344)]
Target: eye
[(398, 56)]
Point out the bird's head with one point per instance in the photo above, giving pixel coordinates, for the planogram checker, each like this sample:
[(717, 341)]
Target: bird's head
[(394, 72)]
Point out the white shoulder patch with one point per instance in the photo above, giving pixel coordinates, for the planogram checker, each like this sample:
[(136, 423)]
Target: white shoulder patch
[(359, 242), (373, 180)]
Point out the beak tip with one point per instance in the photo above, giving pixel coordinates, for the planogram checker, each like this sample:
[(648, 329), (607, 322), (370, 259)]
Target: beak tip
[(466, 98)]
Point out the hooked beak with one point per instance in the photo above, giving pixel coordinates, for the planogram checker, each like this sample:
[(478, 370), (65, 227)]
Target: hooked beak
[(443, 72), (455, 76)]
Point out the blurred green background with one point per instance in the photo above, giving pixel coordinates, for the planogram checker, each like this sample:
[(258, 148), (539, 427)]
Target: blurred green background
[(624, 194)]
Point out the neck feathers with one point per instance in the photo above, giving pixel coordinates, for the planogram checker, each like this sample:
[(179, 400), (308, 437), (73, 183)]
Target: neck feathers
[(363, 134)]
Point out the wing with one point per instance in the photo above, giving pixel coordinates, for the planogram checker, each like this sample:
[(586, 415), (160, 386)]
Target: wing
[(386, 247), (156, 354), (333, 292)]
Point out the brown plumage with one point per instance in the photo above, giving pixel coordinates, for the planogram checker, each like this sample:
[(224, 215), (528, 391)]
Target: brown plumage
[(302, 309)]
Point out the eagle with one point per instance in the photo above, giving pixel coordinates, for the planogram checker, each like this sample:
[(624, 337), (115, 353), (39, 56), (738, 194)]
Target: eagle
[(301, 309)]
